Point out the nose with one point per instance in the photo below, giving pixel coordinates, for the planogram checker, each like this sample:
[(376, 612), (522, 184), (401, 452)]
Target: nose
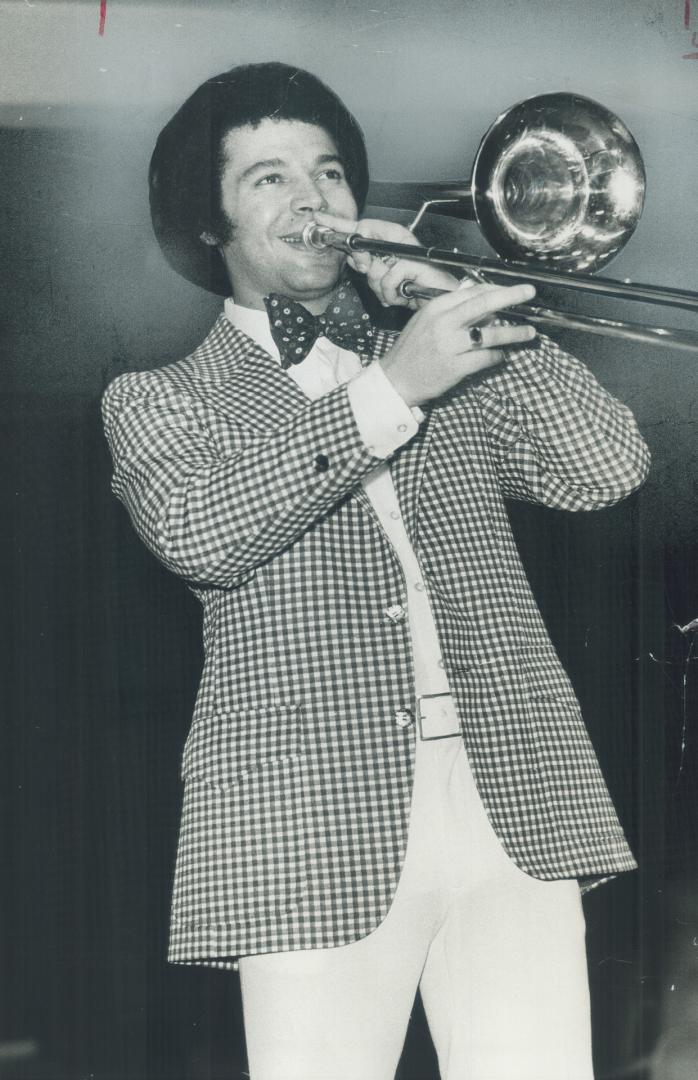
[(307, 197)]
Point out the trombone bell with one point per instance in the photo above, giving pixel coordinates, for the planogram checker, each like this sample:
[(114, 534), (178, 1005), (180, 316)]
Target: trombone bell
[(558, 180)]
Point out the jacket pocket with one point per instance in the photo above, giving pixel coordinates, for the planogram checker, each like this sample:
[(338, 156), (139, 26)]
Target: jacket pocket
[(225, 746), (545, 679), (242, 858)]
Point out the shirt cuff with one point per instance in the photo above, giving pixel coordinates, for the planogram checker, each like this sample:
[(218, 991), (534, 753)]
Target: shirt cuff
[(384, 419)]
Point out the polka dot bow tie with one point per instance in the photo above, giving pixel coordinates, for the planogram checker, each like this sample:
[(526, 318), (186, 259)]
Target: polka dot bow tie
[(295, 329)]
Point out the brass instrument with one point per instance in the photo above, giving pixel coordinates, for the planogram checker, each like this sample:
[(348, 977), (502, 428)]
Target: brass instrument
[(557, 189)]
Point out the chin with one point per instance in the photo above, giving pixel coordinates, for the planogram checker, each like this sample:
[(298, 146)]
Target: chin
[(317, 284)]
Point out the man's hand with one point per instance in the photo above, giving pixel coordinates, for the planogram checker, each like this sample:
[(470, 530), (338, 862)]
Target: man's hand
[(435, 351), (386, 274)]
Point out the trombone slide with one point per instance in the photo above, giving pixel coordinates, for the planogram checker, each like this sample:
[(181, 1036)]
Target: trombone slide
[(318, 237)]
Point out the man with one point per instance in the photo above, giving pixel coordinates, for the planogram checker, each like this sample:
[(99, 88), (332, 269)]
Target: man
[(387, 781)]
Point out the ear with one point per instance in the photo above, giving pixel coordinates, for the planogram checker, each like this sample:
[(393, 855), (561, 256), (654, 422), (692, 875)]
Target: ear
[(209, 239)]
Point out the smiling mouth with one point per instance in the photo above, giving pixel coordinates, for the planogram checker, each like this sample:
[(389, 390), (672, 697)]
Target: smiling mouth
[(294, 239)]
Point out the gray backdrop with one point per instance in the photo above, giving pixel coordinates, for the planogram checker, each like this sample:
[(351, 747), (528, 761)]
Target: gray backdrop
[(100, 648)]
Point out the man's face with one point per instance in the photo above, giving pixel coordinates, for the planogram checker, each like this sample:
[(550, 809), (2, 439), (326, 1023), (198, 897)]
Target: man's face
[(276, 177)]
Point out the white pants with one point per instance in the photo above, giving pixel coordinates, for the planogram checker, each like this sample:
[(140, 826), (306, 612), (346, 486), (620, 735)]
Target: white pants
[(499, 958)]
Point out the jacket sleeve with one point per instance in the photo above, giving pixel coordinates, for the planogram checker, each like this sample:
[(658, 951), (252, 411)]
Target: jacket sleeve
[(558, 437), (213, 515)]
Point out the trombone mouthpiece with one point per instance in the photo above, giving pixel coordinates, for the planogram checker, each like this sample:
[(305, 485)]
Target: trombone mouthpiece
[(316, 237)]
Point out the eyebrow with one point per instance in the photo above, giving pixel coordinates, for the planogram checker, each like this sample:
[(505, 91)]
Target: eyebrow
[(275, 163)]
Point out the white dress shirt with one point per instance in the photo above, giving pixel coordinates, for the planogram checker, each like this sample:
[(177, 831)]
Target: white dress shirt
[(385, 422)]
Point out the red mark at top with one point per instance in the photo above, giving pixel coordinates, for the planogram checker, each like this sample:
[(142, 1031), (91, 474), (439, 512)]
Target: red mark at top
[(103, 15), (687, 26)]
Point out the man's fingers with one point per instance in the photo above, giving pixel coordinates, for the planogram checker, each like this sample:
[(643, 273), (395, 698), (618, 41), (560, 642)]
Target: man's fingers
[(334, 222), (385, 276), (477, 338), (360, 261), (390, 231), (476, 303), (373, 228)]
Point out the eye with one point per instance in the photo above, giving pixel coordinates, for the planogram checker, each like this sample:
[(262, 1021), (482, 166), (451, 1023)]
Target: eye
[(332, 173), (270, 178)]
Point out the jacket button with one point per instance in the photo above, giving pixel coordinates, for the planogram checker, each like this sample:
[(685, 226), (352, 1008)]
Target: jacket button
[(403, 717), (396, 613), (322, 463)]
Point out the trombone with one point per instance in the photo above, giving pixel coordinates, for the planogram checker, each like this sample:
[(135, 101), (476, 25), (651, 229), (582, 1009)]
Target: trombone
[(557, 189)]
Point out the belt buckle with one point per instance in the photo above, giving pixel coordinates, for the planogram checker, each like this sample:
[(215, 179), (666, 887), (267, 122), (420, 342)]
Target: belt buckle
[(437, 717)]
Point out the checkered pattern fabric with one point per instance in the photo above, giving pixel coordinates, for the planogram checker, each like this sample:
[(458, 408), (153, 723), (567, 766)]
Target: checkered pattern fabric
[(297, 771)]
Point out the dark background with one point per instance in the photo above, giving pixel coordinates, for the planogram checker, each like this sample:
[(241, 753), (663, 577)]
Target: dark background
[(100, 649)]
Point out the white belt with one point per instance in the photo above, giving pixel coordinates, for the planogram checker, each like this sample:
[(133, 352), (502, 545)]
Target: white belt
[(437, 717)]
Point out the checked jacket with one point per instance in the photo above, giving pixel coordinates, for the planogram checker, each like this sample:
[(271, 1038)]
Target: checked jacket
[(298, 765)]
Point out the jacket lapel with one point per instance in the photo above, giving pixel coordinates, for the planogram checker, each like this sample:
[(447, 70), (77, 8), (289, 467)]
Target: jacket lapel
[(249, 379)]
